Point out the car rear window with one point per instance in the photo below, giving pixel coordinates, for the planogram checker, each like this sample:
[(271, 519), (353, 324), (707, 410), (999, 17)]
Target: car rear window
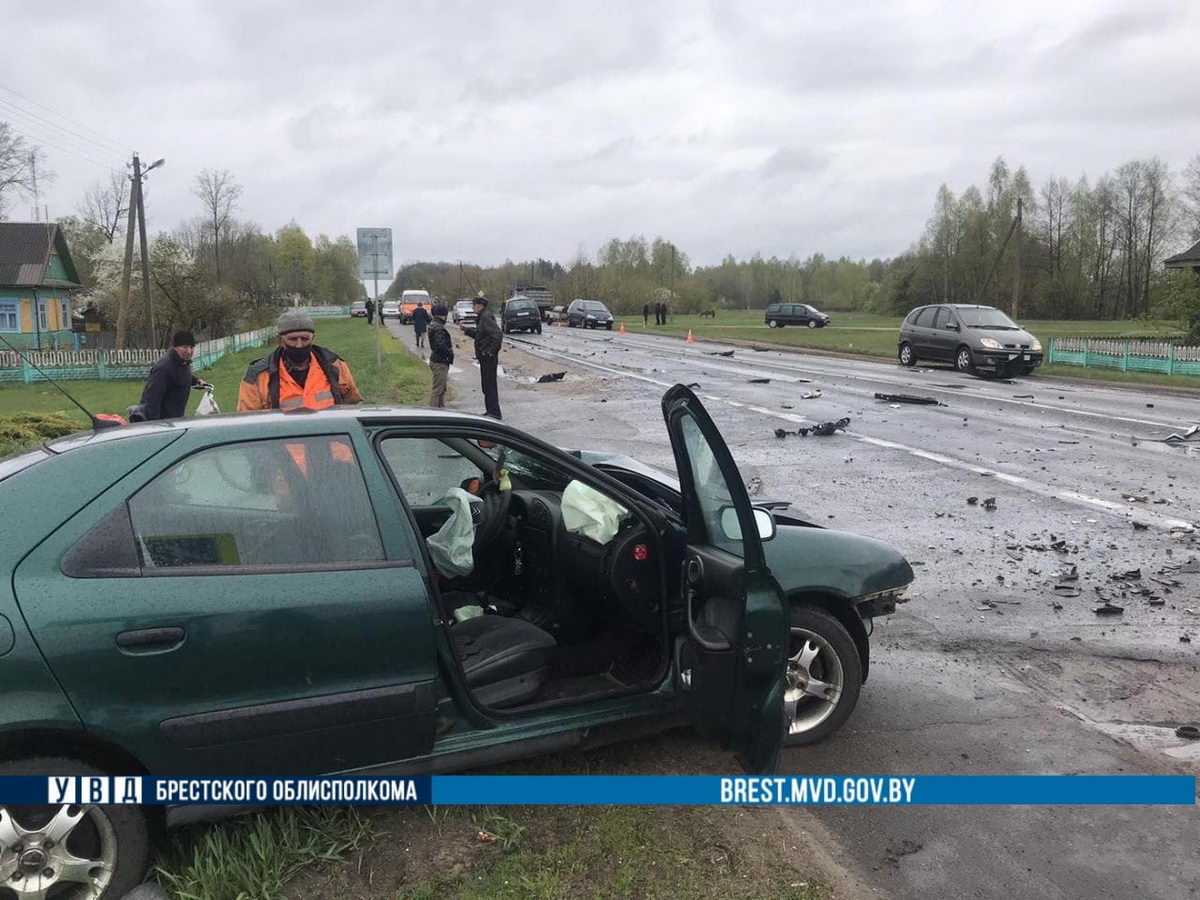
[(19, 462), (521, 304), (925, 319)]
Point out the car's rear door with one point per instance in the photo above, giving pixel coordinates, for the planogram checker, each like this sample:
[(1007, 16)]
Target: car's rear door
[(248, 606), (729, 655)]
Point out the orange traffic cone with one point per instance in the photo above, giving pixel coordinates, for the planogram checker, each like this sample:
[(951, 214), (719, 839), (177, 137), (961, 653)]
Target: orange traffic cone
[(621, 330), (690, 339)]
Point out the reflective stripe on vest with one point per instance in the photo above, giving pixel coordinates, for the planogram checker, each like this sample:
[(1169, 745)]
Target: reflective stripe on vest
[(316, 393)]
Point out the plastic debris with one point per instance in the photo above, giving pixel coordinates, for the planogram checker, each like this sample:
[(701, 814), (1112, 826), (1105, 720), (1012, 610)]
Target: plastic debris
[(1109, 609), (989, 503), (553, 376), (909, 398)]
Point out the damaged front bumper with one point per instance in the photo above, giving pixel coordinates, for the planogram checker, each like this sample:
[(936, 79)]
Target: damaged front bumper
[(881, 603)]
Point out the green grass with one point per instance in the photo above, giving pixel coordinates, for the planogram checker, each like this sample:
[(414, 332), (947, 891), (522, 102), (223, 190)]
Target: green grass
[(865, 334), (254, 857), (403, 380), (609, 852)]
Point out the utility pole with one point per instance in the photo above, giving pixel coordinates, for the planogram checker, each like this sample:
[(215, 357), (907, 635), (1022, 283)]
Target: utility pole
[(141, 217), (123, 300), (1016, 301)]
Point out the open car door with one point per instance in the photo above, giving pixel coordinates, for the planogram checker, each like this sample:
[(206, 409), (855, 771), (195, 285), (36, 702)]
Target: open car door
[(729, 657)]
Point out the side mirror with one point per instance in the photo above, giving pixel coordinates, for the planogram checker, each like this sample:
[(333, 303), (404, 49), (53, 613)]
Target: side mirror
[(732, 527)]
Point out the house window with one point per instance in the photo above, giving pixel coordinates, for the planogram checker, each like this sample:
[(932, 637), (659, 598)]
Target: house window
[(9, 319), (41, 308), (64, 314)]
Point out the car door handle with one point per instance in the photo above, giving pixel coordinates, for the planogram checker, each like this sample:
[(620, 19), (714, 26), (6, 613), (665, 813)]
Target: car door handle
[(151, 640)]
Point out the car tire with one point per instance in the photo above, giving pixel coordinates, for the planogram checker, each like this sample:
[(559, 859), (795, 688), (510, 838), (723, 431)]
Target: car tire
[(963, 361), (116, 835), (812, 323), (539, 330), (609, 326), (808, 719), (908, 356), (771, 323)]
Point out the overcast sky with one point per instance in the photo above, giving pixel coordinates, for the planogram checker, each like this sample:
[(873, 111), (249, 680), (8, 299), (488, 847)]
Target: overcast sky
[(485, 131)]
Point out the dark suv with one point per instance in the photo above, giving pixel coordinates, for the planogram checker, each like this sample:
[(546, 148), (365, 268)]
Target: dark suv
[(974, 338), (780, 314), (589, 314), (520, 314)]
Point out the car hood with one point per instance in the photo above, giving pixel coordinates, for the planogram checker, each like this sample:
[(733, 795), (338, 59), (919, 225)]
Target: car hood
[(1004, 335), (819, 560)]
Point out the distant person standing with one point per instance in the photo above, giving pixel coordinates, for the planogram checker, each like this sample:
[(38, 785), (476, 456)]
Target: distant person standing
[(645, 314), (370, 312), (488, 340), (420, 320), (170, 383), (658, 317), (441, 355)]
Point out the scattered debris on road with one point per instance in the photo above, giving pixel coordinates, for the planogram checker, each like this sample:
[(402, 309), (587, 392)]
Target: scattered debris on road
[(811, 395), (760, 381), (1189, 732), (553, 376), (909, 398), (695, 384), (1109, 609), (825, 429), (989, 503), (1022, 396), (971, 501), (725, 353)]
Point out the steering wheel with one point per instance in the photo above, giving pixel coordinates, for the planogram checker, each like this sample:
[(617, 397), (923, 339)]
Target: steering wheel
[(491, 515)]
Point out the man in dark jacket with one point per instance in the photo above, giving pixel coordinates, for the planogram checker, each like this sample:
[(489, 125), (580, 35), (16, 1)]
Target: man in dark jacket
[(370, 311), (645, 314), (165, 395), (487, 350), (420, 320), (441, 355)]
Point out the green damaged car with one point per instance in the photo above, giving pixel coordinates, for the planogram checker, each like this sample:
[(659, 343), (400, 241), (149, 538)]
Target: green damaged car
[(379, 590)]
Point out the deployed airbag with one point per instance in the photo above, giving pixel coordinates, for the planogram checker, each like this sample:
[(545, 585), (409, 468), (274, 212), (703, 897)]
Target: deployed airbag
[(588, 512), (450, 547)]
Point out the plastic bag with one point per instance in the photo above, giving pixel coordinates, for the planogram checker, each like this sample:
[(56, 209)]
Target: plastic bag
[(450, 548), (588, 512), (208, 405)]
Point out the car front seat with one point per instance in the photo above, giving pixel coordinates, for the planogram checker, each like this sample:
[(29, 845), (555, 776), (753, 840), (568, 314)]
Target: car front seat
[(506, 661)]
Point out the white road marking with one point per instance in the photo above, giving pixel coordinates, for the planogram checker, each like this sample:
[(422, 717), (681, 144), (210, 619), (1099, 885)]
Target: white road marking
[(1117, 510)]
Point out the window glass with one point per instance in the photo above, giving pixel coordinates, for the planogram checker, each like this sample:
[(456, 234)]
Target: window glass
[(426, 468), (925, 319), (939, 318), (712, 491), (8, 317), (260, 503)]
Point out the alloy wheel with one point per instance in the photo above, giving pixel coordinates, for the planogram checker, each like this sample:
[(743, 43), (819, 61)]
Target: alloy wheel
[(815, 681), (64, 852)]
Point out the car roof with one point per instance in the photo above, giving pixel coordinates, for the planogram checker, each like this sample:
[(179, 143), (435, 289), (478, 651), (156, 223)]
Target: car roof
[(273, 423), (956, 306)]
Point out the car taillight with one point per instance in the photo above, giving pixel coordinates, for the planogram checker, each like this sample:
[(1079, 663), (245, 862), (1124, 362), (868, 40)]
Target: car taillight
[(641, 553)]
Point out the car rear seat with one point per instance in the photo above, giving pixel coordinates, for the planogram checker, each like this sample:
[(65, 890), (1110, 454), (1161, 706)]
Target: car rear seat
[(506, 661)]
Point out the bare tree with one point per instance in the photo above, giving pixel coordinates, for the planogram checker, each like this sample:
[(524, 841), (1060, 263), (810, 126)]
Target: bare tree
[(1191, 197), (219, 193), (18, 159), (106, 205)]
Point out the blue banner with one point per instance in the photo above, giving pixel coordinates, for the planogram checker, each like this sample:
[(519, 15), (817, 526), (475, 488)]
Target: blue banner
[(591, 790)]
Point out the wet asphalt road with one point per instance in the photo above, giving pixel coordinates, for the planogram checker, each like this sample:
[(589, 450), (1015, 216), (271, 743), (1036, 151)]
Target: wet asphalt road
[(986, 669)]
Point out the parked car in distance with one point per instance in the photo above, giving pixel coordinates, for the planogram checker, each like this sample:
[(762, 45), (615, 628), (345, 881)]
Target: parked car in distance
[(780, 314), (974, 338), (358, 309), (684, 603), (589, 314), (390, 309), (463, 311), (557, 314), (520, 314)]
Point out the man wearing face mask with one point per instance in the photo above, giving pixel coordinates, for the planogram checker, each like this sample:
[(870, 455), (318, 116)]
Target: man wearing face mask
[(299, 374)]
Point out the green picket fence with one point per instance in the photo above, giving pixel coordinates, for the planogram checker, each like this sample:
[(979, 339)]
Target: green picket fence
[(1126, 356)]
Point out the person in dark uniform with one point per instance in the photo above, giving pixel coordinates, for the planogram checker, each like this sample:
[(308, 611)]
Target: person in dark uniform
[(370, 311), (488, 340), (170, 383), (645, 314)]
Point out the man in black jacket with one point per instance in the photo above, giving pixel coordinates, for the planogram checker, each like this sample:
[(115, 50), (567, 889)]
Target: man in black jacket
[(165, 395), (441, 355), (487, 350)]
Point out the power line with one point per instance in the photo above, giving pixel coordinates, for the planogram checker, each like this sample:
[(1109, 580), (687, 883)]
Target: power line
[(108, 140), (31, 120), (40, 140)]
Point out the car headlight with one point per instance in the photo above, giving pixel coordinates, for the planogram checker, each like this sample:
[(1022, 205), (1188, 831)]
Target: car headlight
[(991, 344), (1036, 345), (593, 318)]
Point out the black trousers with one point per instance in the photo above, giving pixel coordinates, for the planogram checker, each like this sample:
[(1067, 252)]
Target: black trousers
[(370, 317), (491, 392)]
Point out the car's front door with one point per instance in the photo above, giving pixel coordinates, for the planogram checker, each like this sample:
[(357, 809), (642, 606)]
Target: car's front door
[(243, 608), (729, 658)]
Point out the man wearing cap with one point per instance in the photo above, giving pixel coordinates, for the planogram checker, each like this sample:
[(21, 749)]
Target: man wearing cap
[(441, 355), (299, 374), (165, 395), (487, 350)]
